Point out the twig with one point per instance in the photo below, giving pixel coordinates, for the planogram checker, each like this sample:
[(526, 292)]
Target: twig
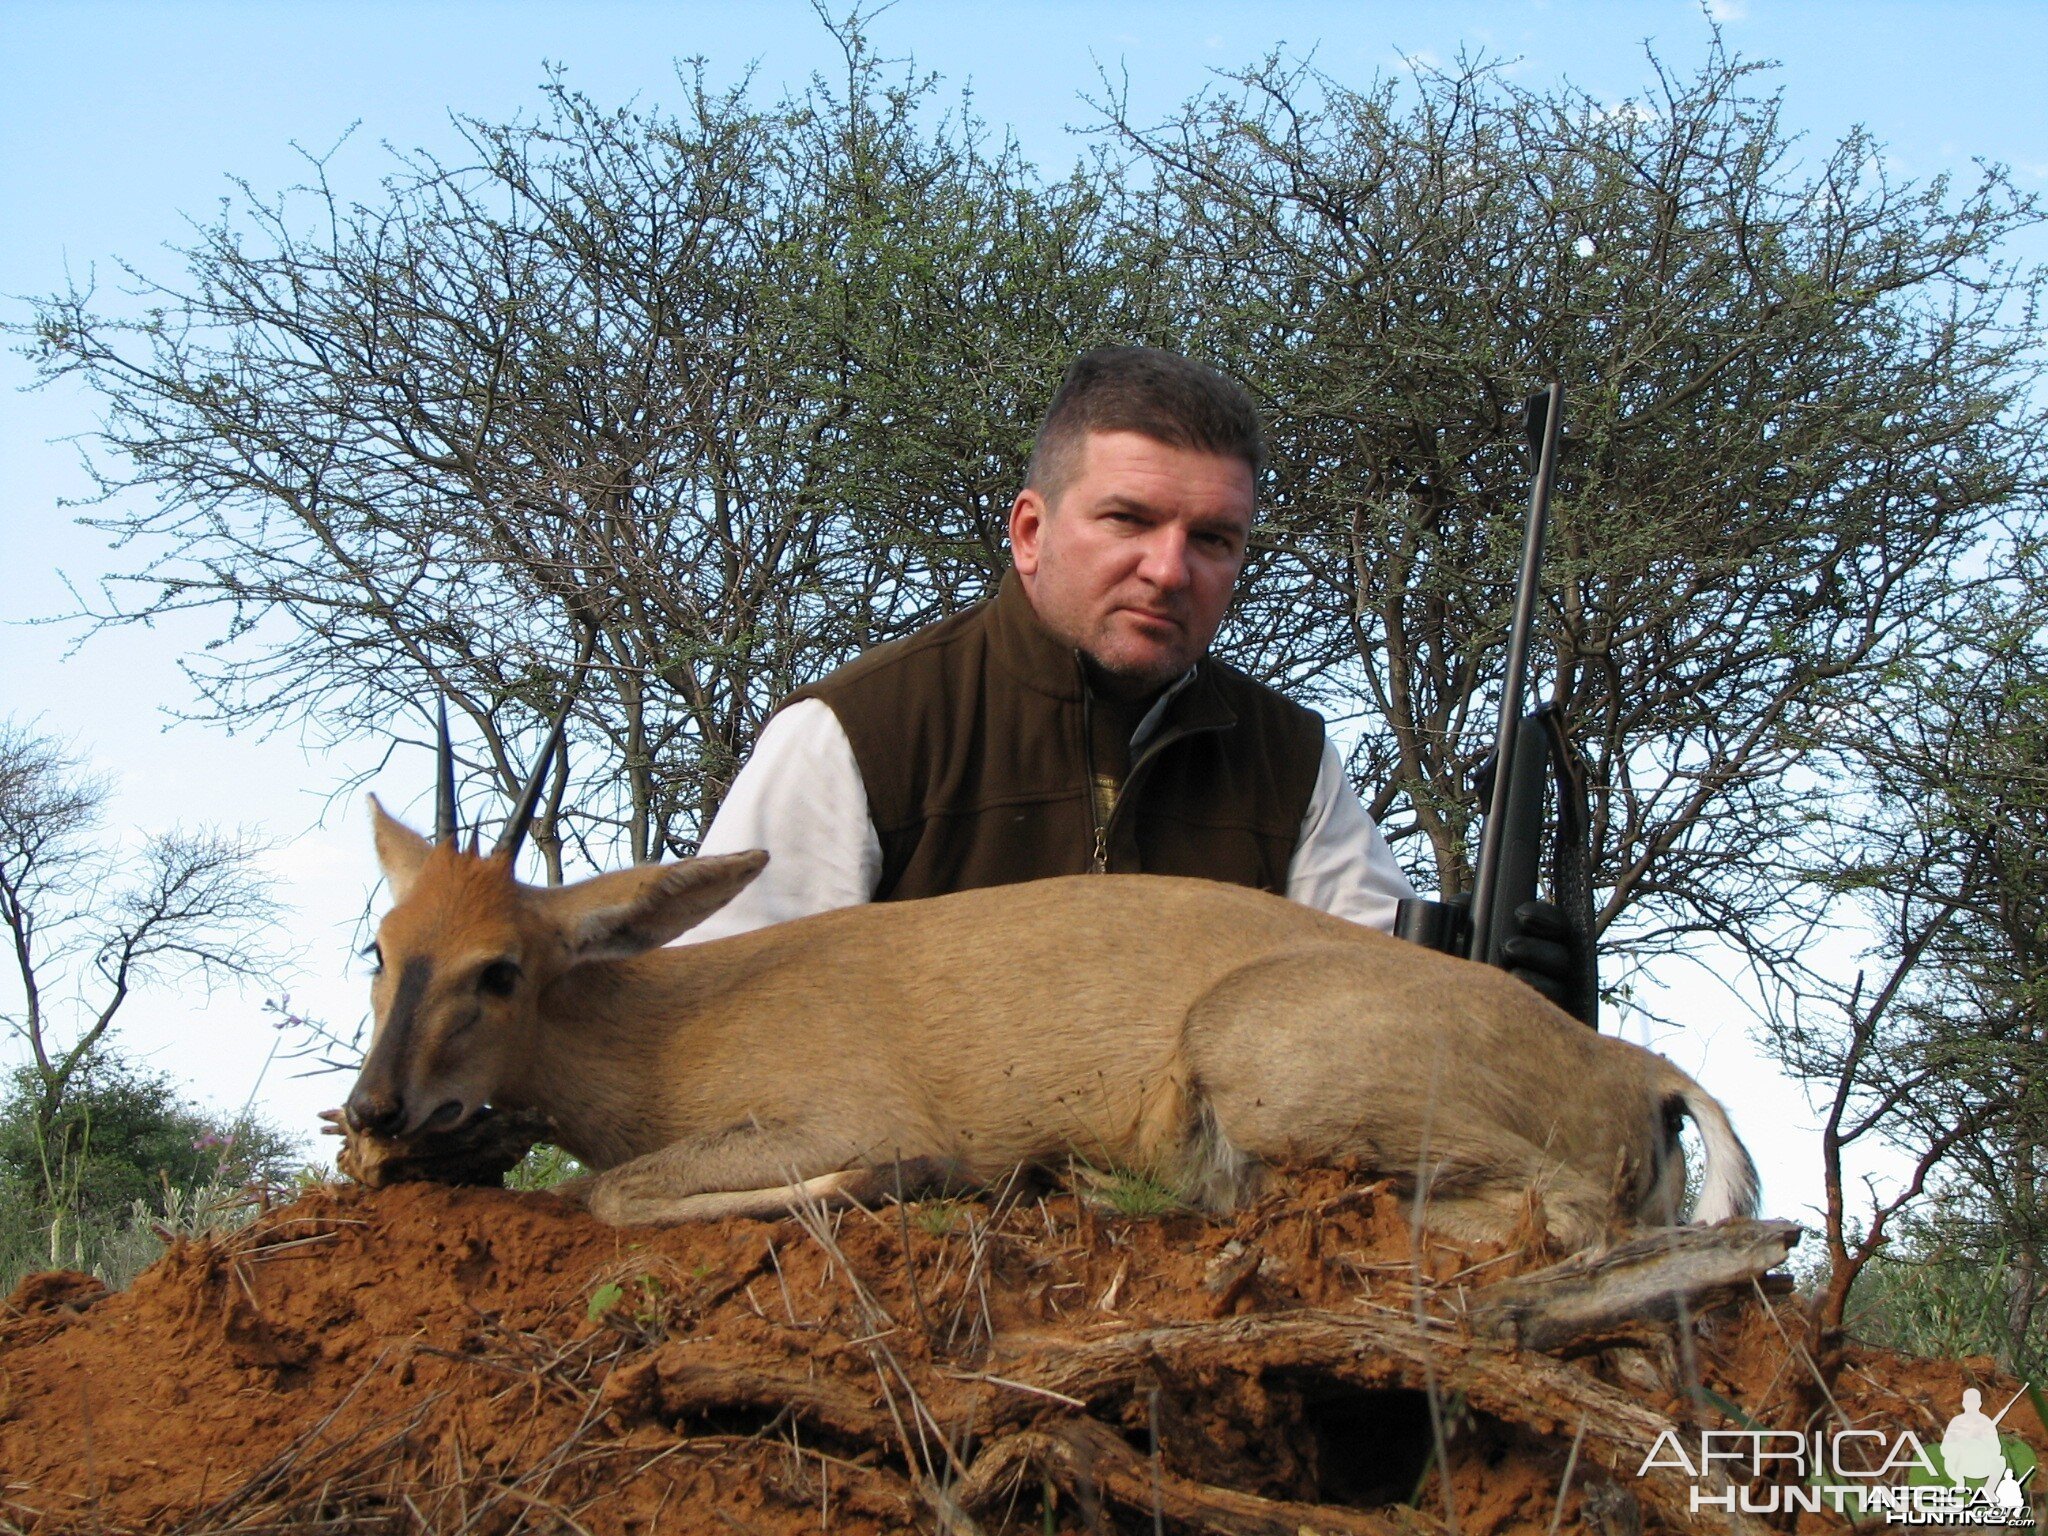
[(910, 1261), (1794, 1348), (282, 1463), (1564, 1483), (1158, 1477), (535, 1501), (811, 1216), (544, 1472), (1424, 1173), (1020, 1386), (269, 1251)]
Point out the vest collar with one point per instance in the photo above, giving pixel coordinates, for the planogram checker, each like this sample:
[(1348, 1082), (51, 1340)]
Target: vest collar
[(1039, 660), (1023, 647)]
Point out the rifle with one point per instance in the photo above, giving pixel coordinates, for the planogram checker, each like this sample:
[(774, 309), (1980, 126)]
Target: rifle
[(1511, 844)]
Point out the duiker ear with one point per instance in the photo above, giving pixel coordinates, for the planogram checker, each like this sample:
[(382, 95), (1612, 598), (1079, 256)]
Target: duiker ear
[(399, 849), (634, 910)]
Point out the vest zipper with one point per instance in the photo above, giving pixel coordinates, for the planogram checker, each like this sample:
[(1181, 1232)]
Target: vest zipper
[(1100, 861), (1143, 761), (1159, 743)]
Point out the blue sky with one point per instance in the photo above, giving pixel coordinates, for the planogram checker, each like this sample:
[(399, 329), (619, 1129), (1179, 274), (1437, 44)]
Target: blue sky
[(119, 122)]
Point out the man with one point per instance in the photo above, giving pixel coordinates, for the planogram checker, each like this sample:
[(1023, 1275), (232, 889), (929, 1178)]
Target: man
[(1075, 721)]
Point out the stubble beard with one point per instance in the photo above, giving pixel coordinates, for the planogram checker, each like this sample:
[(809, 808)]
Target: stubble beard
[(1126, 676), (1122, 665)]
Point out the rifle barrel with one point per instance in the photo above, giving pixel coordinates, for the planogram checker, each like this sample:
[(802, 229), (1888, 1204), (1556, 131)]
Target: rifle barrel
[(1545, 413)]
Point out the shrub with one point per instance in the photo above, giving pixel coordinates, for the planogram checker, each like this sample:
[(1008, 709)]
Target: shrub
[(124, 1155)]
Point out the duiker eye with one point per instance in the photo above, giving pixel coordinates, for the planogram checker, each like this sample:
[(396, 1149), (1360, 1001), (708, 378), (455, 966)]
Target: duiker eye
[(498, 978), (374, 955)]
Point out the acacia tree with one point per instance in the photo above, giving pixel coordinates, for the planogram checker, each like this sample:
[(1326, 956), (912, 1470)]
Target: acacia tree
[(1941, 847), (737, 392), (1799, 398), (88, 923), (743, 390)]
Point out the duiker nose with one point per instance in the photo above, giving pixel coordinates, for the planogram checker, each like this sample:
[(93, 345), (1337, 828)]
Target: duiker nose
[(379, 1114)]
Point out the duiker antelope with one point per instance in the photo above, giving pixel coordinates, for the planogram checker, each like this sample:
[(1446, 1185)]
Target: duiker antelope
[(1196, 1030)]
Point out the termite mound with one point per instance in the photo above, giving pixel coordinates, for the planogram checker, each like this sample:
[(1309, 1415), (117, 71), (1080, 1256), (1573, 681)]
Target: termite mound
[(425, 1358)]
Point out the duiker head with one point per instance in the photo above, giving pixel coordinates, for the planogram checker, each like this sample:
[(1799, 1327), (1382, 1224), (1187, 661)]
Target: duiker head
[(466, 951)]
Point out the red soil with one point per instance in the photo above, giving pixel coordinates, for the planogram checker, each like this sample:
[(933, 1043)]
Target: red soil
[(426, 1358)]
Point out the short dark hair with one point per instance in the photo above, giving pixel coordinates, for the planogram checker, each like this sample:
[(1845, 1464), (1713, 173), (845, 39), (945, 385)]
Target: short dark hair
[(1161, 395)]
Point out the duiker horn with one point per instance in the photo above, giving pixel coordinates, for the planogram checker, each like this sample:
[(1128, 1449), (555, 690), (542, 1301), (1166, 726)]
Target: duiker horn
[(446, 828), (521, 820)]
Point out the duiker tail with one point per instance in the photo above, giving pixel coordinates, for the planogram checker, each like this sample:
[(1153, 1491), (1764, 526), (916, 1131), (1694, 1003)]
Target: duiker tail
[(1729, 1186)]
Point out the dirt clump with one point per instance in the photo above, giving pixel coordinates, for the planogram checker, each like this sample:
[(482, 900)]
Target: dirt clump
[(427, 1358)]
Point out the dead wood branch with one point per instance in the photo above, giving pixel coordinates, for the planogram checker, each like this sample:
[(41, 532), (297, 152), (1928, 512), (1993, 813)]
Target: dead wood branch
[(1590, 1300), (1544, 1397), (670, 1385), (1541, 1395), (1091, 1463)]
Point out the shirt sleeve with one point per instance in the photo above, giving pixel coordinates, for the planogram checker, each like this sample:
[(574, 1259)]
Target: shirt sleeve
[(799, 796), (1341, 864)]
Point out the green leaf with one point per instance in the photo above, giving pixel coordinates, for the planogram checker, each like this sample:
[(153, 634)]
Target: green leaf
[(604, 1298)]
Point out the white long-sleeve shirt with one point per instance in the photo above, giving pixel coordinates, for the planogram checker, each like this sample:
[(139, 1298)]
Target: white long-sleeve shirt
[(800, 796)]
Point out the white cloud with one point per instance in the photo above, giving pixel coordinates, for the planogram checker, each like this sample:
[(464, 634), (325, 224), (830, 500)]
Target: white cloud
[(1725, 11)]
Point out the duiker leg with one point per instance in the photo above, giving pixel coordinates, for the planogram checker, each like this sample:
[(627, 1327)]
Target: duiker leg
[(752, 1171), (1300, 1058), (1479, 1187), (911, 1179), (1326, 1055)]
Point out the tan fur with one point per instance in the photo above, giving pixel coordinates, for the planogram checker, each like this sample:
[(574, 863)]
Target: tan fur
[(1196, 1030)]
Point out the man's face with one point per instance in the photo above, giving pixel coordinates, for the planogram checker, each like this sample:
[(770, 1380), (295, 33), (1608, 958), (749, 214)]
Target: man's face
[(1134, 564)]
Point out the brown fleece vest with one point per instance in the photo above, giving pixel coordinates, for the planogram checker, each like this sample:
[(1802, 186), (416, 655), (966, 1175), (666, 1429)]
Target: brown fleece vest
[(972, 739)]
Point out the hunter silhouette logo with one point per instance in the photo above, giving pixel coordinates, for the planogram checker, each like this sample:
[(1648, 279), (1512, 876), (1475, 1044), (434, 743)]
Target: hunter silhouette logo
[(1974, 1476), (1969, 1446), (1977, 1465)]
